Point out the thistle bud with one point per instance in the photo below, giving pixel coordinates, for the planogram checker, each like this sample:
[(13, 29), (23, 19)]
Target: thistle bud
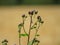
[(30, 12), (23, 16), (39, 18), (36, 12), (42, 22), (5, 41)]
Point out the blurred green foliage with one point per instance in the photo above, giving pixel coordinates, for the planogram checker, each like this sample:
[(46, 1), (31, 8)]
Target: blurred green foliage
[(28, 2)]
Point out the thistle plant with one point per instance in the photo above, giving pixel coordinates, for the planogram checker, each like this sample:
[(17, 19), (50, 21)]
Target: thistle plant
[(36, 25), (32, 25), (4, 42)]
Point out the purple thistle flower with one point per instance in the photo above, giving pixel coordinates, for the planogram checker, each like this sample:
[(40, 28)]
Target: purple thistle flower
[(30, 12)]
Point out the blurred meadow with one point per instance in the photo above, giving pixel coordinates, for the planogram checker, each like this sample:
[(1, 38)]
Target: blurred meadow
[(28, 2), (10, 16)]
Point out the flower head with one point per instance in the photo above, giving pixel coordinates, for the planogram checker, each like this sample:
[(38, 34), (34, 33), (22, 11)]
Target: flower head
[(23, 15), (39, 18), (5, 41), (35, 40), (30, 12), (36, 12), (20, 25), (42, 22)]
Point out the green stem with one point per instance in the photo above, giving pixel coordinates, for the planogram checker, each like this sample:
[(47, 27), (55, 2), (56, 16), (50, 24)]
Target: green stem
[(34, 24), (29, 30), (36, 32), (37, 43), (37, 29), (5, 43), (23, 26), (19, 37)]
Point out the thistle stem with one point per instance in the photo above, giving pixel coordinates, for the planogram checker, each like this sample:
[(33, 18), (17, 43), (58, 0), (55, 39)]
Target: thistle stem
[(29, 30), (37, 29), (19, 37), (19, 41), (23, 26), (36, 32)]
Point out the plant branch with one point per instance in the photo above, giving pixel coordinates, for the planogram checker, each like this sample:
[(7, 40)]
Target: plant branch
[(23, 26), (34, 24), (37, 29), (19, 37), (36, 33), (29, 30)]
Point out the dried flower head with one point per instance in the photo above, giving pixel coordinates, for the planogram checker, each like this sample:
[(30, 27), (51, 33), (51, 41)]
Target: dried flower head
[(36, 12), (39, 18), (35, 40), (42, 22), (23, 15), (20, 25), (5, 41), (30, 12)]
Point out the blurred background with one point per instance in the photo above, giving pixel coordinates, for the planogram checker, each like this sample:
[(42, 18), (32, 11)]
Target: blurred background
[(28, 2), (10, 16)]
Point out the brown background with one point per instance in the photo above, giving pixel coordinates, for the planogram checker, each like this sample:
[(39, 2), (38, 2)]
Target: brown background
[(10, 17)]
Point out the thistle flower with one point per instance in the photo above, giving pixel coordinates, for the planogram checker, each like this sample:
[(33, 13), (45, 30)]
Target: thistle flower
[(39, 18), (42, 22), (36, 12), (30, 12), (23, 15), (5, 41), (35, 40), (20, 25)]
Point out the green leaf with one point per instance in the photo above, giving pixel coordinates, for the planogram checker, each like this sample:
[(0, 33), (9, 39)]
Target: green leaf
[(23, 34)]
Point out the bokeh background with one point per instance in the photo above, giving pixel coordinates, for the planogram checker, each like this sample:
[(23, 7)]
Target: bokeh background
[(10, 16), (28, 2)]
